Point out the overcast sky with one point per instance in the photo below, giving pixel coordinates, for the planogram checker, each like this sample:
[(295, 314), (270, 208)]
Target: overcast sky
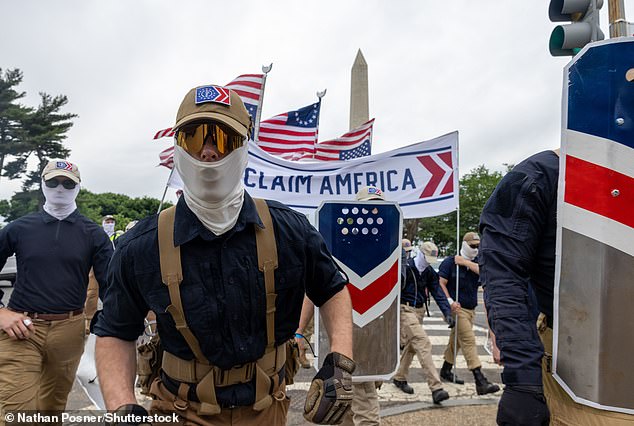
[(479, 67)]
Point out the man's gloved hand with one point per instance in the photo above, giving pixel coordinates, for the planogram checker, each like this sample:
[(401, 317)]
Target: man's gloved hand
[(129, 414), (523, 406), (451, 322), (330, 393)]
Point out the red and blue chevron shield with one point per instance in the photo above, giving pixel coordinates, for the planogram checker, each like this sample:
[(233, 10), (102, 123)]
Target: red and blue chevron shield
[(594, 323), (365, 240)]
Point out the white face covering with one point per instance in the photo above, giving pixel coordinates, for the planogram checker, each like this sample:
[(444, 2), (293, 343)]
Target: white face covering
[(60, 202), (108, 227), (468, 252), (420, 262), (214, 191)]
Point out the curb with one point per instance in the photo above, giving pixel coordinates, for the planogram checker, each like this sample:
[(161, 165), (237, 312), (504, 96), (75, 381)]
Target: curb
[(418, 406)]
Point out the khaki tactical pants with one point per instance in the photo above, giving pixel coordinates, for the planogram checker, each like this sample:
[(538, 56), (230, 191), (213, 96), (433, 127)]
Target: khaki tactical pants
[(166, 402), (563, 410), (365, 406), (38, 373), (92, 299), (417, 343), (466, 339)]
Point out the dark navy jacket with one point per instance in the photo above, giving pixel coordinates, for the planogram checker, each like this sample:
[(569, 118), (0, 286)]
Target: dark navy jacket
[(416, 283), (468, 283), (517, 250), (54, 258), (222, 291)]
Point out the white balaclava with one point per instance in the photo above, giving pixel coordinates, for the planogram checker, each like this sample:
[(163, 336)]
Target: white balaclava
[(420, 261), (108, 227), (60, 202), (214, 191), (468, 252)]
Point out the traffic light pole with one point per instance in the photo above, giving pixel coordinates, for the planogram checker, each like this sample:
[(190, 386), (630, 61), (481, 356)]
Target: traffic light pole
[(618, 24)]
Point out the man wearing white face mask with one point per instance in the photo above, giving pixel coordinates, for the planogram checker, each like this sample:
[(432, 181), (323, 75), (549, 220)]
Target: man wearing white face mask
[(226, 275), (464, 311), (42, 328)]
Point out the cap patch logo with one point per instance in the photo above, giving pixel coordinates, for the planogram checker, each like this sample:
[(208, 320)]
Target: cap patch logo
[(376, 191), (64, 165), (215, 94)]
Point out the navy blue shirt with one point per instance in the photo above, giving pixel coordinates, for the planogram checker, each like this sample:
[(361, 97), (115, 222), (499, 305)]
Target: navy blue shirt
[(517, 253), (223, 291), (417, 282), (54, 258), (468, 283)]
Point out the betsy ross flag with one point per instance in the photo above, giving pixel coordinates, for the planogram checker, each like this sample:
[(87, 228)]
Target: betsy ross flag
[(354, 144), (166, 157), (248, 86), (291, 135)]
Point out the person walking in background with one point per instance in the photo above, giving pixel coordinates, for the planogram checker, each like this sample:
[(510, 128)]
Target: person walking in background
[(420, 279), (463, 308)]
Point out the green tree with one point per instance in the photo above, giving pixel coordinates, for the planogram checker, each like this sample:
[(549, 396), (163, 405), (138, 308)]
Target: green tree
[(12, 114), (475, 189)]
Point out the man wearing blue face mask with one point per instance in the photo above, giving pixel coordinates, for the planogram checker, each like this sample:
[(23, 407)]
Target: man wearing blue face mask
[(463, 308), (42, 327)]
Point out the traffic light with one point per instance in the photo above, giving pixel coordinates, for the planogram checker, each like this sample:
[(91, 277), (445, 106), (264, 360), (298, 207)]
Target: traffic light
[(568, 40)]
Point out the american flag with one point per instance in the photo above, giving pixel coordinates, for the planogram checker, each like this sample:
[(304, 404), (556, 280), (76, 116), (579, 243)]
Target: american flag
[(249, 88), (291, 135), (167, 157), (354, 144)]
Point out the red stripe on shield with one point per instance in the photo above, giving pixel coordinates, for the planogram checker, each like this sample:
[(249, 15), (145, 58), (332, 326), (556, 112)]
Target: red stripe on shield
[(362, 300), (600, 190)]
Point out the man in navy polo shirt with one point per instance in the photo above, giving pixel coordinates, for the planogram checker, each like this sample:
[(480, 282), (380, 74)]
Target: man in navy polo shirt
[(464, 311), (42, 328)]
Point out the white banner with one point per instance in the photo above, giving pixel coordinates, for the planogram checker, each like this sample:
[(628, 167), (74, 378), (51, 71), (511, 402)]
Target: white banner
[(422, 178)]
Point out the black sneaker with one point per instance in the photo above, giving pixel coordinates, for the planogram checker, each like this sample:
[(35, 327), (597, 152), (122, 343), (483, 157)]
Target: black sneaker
[(439, 395), (448, 376), (402, 385)]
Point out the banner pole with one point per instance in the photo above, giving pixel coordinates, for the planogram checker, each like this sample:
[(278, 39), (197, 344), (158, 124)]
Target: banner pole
[(165, 191), (455, 342)]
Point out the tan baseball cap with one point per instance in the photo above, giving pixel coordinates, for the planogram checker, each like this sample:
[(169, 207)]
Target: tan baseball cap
[(407, 245), (61, 168), (471, 238), (430, 251), (368, 193), (215, 103)]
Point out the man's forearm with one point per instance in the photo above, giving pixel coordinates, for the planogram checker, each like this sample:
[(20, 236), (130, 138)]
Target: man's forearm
[(308, 310), (443, 285), (116, 368), (337, 316)]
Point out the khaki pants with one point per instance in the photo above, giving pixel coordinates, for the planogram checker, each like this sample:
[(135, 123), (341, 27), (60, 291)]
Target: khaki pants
[(92, 299), (416, 343), (38, 373), (275, 415), (563, 410), (365, 406), (466, 339)]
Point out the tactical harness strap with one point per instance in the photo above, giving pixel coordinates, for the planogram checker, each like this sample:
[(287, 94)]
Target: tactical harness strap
[(200, 371)]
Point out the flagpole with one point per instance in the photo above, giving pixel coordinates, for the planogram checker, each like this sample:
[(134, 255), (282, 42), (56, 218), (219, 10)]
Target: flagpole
[(256, 130), (455, 345), (165, 190), (319, 96)]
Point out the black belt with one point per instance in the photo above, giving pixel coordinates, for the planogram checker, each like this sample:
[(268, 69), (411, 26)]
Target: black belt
[(412, 305)]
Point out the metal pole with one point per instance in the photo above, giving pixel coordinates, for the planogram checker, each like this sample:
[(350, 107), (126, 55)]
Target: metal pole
[(455, 340), (618, 24), (319, 96), (165, 191), (256, 131)]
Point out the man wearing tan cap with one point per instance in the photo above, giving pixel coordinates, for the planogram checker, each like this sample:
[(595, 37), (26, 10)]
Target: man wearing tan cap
[(463, 308), (42, 327), (419, 278), (226, 276)]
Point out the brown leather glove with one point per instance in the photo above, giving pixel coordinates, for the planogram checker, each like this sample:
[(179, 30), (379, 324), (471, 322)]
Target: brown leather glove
[(330, 393)]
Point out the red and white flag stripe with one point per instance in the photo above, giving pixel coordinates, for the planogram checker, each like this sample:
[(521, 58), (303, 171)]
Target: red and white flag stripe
[(164, 133), (166, 157), (248, 87), (289, 142), (330, 150)]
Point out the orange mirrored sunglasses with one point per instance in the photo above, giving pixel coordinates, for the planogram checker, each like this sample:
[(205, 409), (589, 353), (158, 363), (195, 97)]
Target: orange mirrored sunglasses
[(191, 137)]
